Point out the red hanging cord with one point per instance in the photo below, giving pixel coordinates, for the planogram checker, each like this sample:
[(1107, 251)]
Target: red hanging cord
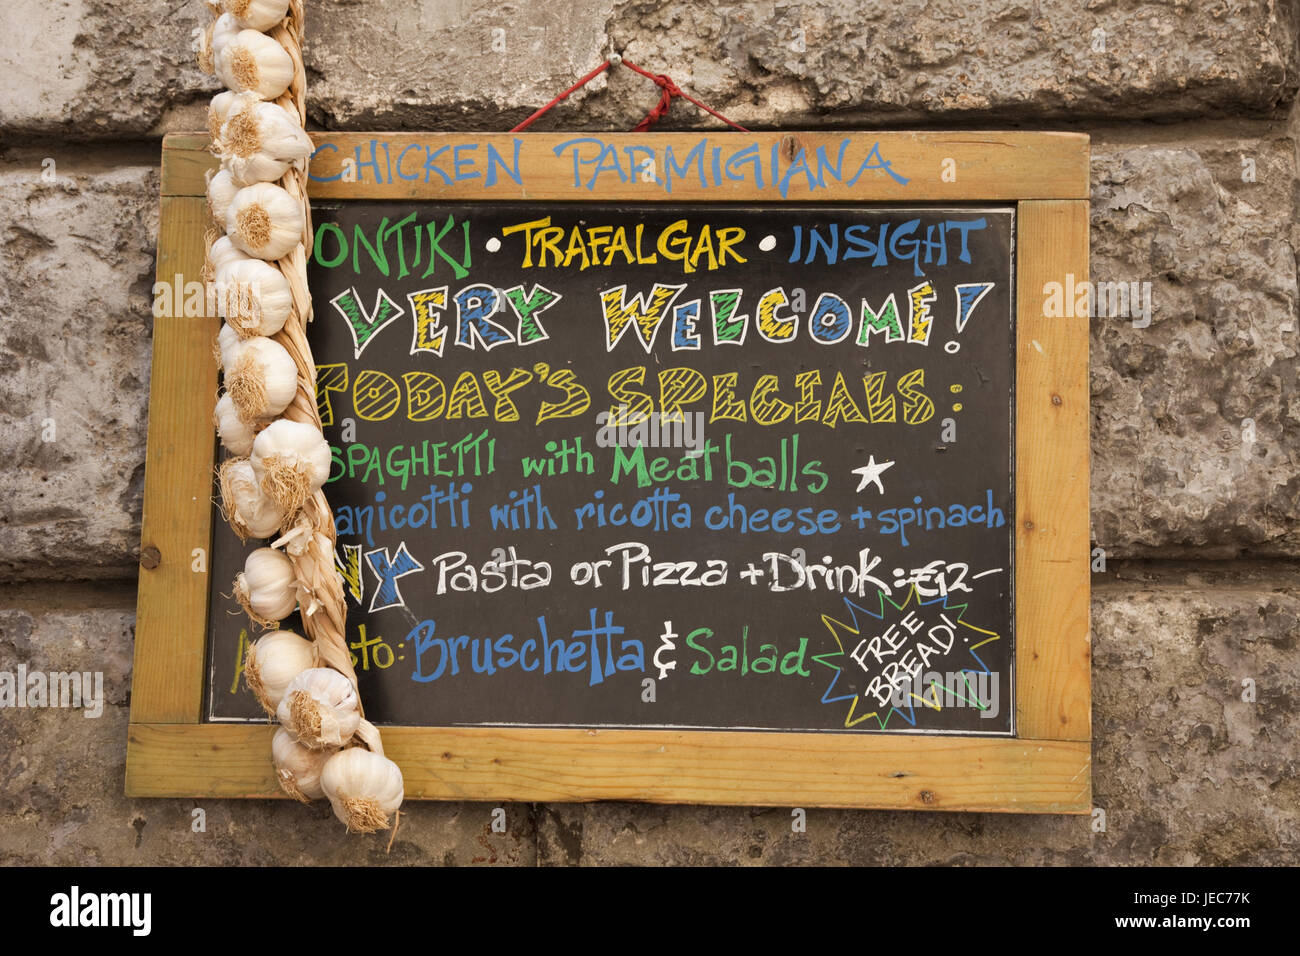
[(662, 80), (563, 96), (670, 89)]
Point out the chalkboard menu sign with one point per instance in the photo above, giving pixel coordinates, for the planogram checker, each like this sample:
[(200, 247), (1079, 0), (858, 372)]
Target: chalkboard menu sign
[(729, 467), (743, 468)]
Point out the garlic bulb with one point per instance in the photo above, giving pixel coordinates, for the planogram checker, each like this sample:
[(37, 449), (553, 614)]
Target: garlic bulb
[(256, 14), (260, 141), (221, 189), (252, 61), (273, 662), (320, 708), (363, 787), (267, 588), (250, 512), (229, 345), (298, 768), (253, 296), (207, 42), (264, 221), (236, 434), (262, 380), (291, 461), (219, 112)]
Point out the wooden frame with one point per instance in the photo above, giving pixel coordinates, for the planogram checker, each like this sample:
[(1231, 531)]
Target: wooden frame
[(1045, 769)]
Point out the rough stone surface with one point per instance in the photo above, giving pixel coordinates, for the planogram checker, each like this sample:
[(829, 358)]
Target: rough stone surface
[(1196, 417), (372, 65), (95, 68), (791, 63), (1186, 771), (884, 62), (76, 270)]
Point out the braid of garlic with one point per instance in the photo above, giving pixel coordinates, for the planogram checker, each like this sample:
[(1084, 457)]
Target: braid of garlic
[(309, 533)]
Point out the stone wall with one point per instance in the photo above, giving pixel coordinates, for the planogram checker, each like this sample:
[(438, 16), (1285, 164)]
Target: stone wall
[(1191, 105)]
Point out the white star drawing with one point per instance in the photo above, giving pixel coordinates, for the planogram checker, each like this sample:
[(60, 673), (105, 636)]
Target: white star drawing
[(871, 473)]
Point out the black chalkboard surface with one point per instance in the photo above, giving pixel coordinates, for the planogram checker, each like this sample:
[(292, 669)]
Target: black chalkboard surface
[(720, 467)]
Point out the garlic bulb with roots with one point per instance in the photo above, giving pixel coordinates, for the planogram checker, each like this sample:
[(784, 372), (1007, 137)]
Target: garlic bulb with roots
[(264, 221), (221, 190), (363, 788), (267, 588), (219, 111), (236, 434), (259, 141), (256, 14), (273, 662), (253, 62), (291, 461), (262, 379), (208, 42), (298, 768), (320, 708), (251, 513), (253, 297)]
